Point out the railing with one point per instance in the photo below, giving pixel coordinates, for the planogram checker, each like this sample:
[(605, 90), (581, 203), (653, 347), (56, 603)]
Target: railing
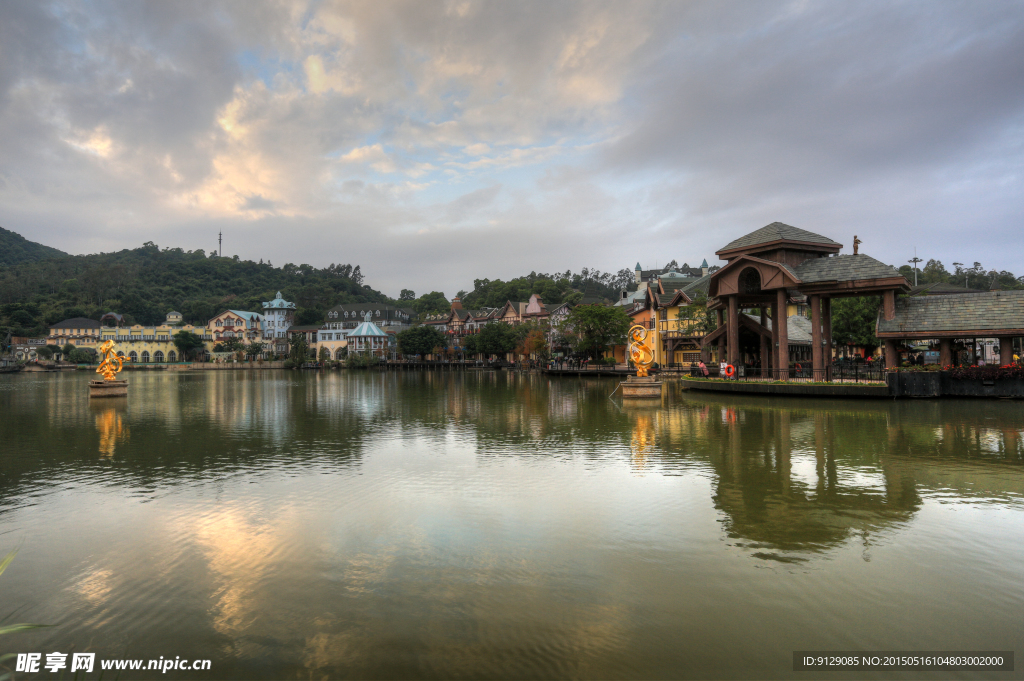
[(834, 373)]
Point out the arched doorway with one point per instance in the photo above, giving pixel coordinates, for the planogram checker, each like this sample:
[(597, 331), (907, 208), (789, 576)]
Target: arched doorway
[(158, 356), (172, 356), (133, 356), (145, 356)]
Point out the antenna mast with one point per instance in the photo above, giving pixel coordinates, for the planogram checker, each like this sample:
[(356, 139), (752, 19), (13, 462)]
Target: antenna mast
[(220, 244)]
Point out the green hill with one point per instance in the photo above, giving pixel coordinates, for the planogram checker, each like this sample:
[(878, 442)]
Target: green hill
[(14, 249), (146, 283)]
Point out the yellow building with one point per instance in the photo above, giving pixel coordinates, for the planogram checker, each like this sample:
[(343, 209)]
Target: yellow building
[(143, 344)]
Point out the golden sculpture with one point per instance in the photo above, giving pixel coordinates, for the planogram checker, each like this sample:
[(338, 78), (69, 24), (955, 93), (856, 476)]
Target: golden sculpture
[(640, 352), (107, 367)]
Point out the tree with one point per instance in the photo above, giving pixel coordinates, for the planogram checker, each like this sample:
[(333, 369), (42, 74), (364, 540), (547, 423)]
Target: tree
[(535, 343), (324, 355), (187, 344), (406, 294), (66, 351), (853, 321), (496, 338), (420, 340), (592, 328), (299, 347), (234, 344), (255, 348)]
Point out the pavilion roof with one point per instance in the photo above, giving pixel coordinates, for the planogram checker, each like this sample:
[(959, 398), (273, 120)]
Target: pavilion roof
[(940, 289), (798, 329), (842, 268), (965, 313), (778, 231)]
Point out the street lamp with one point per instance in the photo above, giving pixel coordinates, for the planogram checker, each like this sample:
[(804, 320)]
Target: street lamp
[(915, 260)]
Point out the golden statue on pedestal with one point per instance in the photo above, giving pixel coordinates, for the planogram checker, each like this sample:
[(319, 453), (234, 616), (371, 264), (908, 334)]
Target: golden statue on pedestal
[(110, 358), (640, 352)]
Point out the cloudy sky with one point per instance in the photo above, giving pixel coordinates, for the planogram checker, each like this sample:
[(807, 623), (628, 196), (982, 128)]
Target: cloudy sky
[(433, 143)]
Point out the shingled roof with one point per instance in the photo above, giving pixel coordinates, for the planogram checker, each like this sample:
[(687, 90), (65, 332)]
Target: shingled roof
[(778, 231), (844, 268), (955, 313), (698, 288), (76, 323)]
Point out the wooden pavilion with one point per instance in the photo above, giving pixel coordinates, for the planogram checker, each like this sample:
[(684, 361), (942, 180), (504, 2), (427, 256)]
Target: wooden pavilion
[(775, 263)]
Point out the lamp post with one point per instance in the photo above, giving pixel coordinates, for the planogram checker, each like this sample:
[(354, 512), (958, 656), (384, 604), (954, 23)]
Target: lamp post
[(915, 260)]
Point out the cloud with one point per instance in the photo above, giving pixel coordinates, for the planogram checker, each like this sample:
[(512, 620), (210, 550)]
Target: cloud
[(419, 140)]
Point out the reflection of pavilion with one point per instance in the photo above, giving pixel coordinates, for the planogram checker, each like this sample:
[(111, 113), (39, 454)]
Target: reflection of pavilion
[(804, 477), (766, 502)]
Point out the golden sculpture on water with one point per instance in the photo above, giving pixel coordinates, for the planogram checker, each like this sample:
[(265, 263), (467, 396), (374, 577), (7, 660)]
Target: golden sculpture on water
[(110, 359), (639, 351)]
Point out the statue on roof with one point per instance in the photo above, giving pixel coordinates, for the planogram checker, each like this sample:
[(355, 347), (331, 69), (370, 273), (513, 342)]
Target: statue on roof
[(856, 243)]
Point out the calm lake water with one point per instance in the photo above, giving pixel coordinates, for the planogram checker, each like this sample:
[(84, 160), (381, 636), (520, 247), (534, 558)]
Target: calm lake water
[(488, 525)]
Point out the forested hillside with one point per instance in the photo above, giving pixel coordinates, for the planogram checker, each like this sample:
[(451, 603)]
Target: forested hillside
[(147, 282), (14, 249)]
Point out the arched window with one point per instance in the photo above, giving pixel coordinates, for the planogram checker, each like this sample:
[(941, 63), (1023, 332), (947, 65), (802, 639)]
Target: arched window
[(172, 356), (378, 313), (339, 353), (346, 314), (750, 281), (158, 356), (133, 356), (145, 356)]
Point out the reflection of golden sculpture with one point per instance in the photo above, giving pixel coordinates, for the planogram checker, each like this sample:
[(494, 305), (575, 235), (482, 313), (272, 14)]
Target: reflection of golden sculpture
[(112, 430), (642, 441), (640, 352), (106, 367)]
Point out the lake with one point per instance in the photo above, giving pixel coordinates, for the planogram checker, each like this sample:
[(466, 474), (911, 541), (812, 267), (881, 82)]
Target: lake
[(500, 525)]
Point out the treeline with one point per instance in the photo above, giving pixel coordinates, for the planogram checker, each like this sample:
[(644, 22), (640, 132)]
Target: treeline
[(974, 277), (553, 288), (146, 283)]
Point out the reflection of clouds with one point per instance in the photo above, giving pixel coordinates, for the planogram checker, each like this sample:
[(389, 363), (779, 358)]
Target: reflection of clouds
[(94, 586), (241, 552)]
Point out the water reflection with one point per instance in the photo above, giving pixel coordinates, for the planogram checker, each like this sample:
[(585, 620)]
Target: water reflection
[(493, 524), (110, 423)]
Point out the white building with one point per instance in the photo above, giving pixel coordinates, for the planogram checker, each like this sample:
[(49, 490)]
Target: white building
[(278, 317)]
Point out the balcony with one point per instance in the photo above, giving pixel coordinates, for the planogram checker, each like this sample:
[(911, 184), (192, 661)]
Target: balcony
[(680, 328)]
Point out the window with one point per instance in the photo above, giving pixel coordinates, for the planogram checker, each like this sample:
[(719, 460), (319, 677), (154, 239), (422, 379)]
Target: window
[(145, 355)]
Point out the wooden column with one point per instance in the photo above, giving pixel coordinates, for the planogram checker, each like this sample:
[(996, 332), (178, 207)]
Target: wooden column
[(775, 335), (889, 304), (945, 352), (782, 335), (892, 359), (764, 341), (817, 362), (734, 331), (1005, 350), (826, 324)]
